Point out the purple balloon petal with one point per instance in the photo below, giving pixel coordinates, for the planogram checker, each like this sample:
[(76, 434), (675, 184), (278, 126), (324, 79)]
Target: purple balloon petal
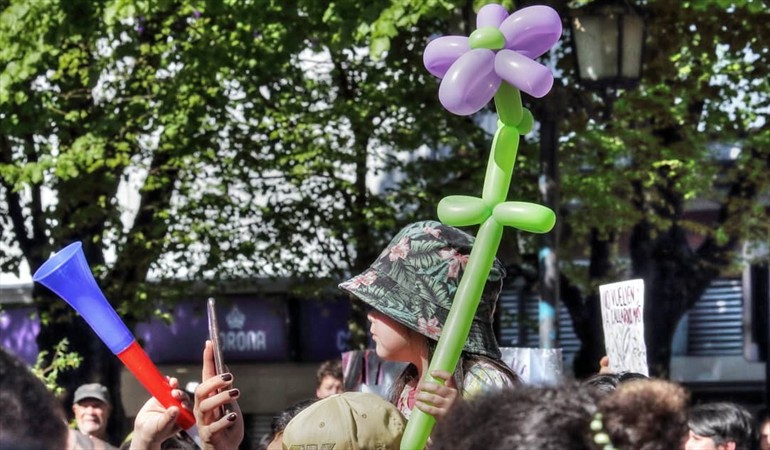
[(491, 15), (470, 83), (523, 73), (532, 31), (442, 52)]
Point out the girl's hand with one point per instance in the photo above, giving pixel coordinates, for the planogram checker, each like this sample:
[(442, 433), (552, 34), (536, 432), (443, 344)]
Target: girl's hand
[(154, 423), (217, 432), (434, 398)]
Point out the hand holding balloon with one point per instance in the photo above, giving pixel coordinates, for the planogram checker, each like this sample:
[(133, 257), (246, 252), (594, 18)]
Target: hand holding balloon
[(494, 62), (67, 274)]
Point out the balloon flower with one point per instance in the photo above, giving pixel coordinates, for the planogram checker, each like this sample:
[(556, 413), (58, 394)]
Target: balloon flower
[(494, 62), (67, 274)]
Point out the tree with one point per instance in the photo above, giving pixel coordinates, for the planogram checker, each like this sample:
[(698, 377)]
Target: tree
[(633, 176), (250, 129), (704, 84), (253, 128)]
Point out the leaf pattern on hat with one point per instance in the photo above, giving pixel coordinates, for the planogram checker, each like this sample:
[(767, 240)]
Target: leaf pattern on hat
[(365, 279), (400, 250), (423, 255), (457, 262), (415, 278), (429, 327), (435, 292), (435, 232)]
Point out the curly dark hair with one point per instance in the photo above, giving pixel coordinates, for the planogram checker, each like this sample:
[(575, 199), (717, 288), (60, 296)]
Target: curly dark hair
[(608, 382), (646, 414), (638, 415), (30, 417), (522, 418)]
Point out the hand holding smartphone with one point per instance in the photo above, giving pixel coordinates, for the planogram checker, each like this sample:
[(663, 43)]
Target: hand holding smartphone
[(219, 364)]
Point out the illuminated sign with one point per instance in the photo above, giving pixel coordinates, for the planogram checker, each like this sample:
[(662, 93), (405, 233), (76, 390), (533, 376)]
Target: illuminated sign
[(323, 328), (252, 330)]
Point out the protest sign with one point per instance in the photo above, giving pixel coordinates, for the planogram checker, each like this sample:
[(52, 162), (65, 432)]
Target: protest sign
[(622, 315)]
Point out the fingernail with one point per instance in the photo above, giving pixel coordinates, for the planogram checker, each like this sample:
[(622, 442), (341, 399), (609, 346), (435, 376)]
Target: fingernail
[(173, 413), (227, 376), (231, 417), (234, 392)]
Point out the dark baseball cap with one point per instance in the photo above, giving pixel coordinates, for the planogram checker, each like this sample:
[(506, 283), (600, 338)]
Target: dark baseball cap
[(92, 390)]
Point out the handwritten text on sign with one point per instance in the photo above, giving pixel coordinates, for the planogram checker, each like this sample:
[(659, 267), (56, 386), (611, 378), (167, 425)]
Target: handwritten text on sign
[(622, 307)]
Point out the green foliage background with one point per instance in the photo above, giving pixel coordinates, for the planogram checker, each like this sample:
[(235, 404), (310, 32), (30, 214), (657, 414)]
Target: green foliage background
[(253, 130)]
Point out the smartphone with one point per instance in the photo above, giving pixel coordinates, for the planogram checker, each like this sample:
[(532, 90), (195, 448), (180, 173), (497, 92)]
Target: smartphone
[(214, 336), (219, 364)]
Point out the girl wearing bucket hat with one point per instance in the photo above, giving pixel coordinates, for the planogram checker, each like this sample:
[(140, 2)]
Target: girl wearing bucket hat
[(410, 289)]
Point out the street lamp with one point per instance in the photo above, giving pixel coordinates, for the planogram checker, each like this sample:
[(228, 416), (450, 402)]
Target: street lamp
[(608, 39)]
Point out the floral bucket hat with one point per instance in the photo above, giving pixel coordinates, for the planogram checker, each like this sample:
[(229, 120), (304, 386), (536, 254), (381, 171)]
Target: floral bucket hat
[(415, 278)]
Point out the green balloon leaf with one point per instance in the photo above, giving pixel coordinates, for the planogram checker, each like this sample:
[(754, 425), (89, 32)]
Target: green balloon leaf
[(462, 210), (526, 122), (525, 216)]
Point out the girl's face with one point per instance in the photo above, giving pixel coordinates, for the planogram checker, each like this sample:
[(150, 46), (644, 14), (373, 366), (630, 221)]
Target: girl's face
[(394, 341)]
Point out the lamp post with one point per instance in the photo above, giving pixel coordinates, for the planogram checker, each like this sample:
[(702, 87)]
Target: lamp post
[(608, 40)]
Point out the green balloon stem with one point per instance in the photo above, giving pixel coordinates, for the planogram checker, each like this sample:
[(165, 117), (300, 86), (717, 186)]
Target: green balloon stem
[(500, 166), (508, 104), (457, 325), (465, 210)]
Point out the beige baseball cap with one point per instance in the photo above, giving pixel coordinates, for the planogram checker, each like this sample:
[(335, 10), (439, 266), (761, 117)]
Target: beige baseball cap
[(347, 421)]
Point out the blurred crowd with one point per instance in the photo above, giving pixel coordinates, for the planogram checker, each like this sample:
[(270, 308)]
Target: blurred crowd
[(408, 292)]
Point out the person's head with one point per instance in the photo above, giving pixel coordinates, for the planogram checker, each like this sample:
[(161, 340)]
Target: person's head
[(411, 286), (329, 378), (719, 426), (645, 414), (274, 439), (92, 409), (639, 415), (352, 420), (555, 417), (606, 383), (30, 416)]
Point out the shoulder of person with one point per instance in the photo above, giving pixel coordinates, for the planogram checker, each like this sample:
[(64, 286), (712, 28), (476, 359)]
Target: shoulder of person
[(79, 441), (484, 377), (102, 445)]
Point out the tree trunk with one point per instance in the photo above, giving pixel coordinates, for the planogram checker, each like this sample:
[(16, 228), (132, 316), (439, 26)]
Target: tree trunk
[(675, 278), (585, 311)]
